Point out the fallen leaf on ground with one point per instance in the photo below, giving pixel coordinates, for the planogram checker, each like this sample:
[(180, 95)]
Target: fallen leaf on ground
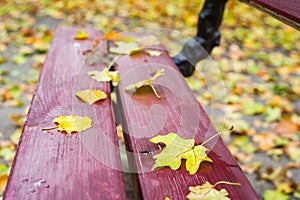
[(276, 176), (265, 141), (272, 114), (296, 195), (280, 102), (91, 96), (252, 108), (177, 149), (3, 169), (81, 35), (275, 195), (244, 144), (207, 191), (3, 59), (147, 82), (71, 123), (239, 155), (292, 150), (285, 187), (281, 142), (286, 129), (19, 59), (8, 153), (292, 165), (275, 153), (3, 182), (15, 137), (250, 168)]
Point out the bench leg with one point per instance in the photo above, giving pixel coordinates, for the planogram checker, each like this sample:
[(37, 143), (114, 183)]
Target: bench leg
[(208, 36)]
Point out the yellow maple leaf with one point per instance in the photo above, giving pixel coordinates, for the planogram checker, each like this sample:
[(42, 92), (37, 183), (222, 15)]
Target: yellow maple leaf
[(91, 96), (72, 123), (81, 35), (207, 191), (177, 149)]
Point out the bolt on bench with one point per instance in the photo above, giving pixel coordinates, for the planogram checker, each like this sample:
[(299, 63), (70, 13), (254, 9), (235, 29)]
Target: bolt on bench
[(87, 165)]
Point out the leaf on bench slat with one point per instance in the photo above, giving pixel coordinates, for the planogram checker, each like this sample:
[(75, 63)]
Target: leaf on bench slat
[(81, 35), (177, 149), (147, 82), (91, 96), (153, 52), (72, 123), (105, 76), (113, 36), (207, 191), (124, 47)]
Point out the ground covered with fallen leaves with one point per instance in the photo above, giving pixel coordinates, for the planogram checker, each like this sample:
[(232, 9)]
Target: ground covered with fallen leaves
[(258, 62)]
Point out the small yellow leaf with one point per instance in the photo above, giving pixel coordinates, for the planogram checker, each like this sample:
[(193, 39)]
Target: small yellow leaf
[(81, 35), (135, 51), (114, 75), (91, 96), (3, 182), (177, 149), (124, 47), (105, 76), (207, 191), (147, 82), (72, 123), (113, 36), (172, 154), (195, 157), (153, 52), (158, 73), (100, 76)]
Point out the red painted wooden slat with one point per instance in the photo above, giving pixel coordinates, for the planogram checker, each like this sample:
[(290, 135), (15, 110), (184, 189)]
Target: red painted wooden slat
[(145, 116), (286, 10), (50, 165)]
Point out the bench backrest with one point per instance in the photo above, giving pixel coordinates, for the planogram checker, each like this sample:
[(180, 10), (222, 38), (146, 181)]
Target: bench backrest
[(285, 10)]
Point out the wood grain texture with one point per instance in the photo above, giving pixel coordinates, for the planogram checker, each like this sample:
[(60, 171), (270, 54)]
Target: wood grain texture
[(287, 11), (145, 116), (50, 165)]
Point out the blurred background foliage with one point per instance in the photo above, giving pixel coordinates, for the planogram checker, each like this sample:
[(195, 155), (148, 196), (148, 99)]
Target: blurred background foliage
[(258, 59)]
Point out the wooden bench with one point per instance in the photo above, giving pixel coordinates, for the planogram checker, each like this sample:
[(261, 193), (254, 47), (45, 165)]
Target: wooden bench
[(286, 11), (86, 165)]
